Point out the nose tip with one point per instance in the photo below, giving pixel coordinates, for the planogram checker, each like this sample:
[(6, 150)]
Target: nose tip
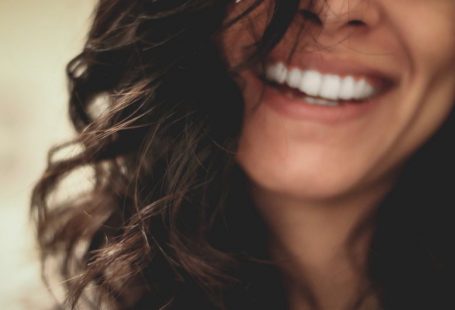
[(332, 16)]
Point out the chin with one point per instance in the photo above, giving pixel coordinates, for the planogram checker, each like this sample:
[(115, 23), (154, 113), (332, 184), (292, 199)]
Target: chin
[(303, 182)]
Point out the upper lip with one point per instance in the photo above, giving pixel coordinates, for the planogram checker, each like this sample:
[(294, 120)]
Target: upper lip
[(381, 78)]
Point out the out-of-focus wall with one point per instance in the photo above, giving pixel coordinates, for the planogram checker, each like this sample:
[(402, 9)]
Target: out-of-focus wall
[(37, 39)]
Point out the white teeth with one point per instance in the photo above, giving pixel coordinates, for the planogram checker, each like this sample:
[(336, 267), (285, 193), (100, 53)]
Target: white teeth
[(363, 89), (330, 87), (324, 86), (311, 83), (276, 73), (347, 88), (318, 101), (282, 73), (293, 78)]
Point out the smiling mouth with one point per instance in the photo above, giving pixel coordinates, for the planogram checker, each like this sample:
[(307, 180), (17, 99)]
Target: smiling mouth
[(316, 87)]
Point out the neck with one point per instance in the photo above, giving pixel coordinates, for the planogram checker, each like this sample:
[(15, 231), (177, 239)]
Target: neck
[(320, 246)]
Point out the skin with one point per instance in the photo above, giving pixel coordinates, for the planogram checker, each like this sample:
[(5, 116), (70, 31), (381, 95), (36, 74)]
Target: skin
[(321, 179)]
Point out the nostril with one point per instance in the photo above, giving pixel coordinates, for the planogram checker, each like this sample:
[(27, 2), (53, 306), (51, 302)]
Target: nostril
[(356, 23), (311, 17)]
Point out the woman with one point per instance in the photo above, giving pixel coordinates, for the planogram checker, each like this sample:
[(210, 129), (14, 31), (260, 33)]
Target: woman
[(259, 155)]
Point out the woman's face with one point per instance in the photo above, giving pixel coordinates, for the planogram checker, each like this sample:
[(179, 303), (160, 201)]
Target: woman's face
[(372, 81)]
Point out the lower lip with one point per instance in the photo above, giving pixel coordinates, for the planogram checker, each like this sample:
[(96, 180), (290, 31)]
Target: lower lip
[(297, 108)]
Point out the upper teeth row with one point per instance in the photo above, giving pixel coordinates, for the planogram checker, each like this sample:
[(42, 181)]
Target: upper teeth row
[(316, 84)]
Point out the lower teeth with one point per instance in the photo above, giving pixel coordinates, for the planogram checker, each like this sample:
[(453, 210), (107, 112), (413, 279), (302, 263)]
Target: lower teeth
[(291, 93), (319, 101)]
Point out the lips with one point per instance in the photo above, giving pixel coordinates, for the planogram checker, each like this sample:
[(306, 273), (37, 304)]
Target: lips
[(316, 84), (325, 89), (329, 80)]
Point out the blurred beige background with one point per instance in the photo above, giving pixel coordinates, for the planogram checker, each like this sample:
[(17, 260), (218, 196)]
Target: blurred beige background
[(37, 39)]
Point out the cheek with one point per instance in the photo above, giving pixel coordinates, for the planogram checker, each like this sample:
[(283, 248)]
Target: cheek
[(431, 82), (434, 51), (428, 34)]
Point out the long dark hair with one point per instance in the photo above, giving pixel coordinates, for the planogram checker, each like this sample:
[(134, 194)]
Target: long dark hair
[(167, 222)]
